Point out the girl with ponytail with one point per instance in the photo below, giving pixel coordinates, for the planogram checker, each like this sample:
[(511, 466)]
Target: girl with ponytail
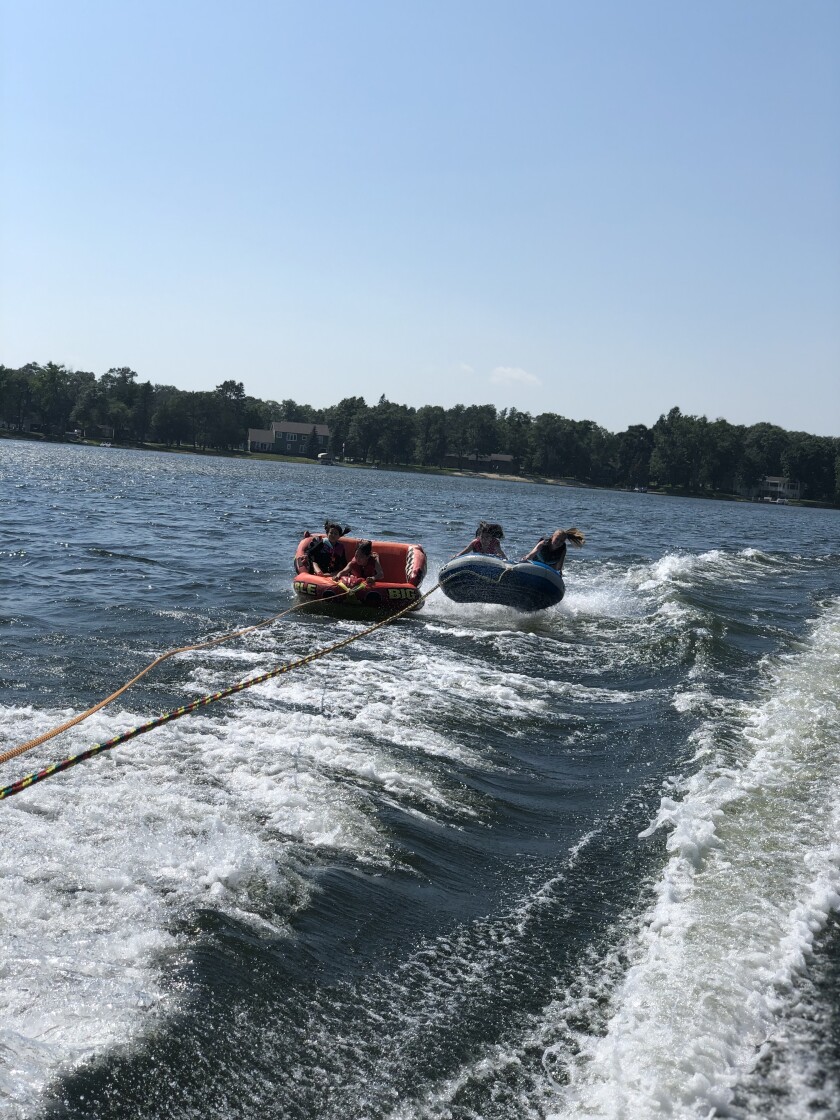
[(551, 550)]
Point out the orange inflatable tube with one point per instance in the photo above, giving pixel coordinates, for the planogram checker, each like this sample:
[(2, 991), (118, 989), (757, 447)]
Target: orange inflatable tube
[(403, 567)]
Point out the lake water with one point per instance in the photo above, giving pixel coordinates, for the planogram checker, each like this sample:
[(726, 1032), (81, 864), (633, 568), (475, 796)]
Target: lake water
[(577, 864)]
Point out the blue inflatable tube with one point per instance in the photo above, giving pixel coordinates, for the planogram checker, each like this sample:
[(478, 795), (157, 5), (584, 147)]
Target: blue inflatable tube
[(474, 578)]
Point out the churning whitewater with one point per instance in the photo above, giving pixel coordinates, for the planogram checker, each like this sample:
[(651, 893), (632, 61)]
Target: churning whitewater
[(581, 863)]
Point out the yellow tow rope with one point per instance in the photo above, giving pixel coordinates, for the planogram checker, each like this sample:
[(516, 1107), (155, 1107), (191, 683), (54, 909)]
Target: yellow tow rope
[(32, 743), (204, 701)]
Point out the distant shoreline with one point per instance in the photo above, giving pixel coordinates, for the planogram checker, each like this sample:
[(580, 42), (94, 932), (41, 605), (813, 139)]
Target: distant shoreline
[(402, 468)]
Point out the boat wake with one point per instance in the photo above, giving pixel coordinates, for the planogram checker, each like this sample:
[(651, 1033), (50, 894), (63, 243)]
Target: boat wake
[(720, 962)]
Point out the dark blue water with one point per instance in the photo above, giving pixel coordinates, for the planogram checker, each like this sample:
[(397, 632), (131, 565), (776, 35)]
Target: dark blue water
[(480, 864)]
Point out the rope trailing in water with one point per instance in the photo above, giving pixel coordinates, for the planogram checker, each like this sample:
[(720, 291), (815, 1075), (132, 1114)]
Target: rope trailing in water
[(37, 742), (202, 702)]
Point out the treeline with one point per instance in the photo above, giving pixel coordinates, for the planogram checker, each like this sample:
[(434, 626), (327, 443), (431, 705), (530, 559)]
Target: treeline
[(681, 452)]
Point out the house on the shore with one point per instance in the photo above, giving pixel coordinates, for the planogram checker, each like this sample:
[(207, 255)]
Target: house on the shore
[(773, 488), (286, 437), (497, 463)]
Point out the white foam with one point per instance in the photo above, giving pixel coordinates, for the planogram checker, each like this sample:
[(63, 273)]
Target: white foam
[(678, 569), (104, 862), (609, 597), (753, 873)]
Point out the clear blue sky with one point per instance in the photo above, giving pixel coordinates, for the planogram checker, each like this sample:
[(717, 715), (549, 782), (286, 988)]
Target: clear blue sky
[(598, 209)]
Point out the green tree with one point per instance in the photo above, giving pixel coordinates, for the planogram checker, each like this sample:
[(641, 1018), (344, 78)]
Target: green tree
[(340, 418), (16, 396), (224, 426), (550, 445), (312, 444), (119, 417), (171, 420), (809, 460), (766, 442), (395, 430), (430, 436), (25, 397), (200, 412), (141, 410), (90, 408), (515, 432), (295, 413), (481, 430), (722, 455), (256, 413), (53, 397), (600, 448), (633, 453), (119, 384), (363, 435), (457, 433), (678, 448)]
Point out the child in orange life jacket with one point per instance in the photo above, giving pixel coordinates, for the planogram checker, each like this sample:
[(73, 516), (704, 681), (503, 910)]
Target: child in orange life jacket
[(325, 555), (364, 566)]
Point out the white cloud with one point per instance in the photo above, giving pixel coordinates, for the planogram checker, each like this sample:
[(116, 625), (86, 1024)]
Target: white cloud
[(464, 368), (512, 375)]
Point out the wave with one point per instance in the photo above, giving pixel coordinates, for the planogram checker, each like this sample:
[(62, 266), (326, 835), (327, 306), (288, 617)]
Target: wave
[(753, 875), (229, 811), (221, 811)]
